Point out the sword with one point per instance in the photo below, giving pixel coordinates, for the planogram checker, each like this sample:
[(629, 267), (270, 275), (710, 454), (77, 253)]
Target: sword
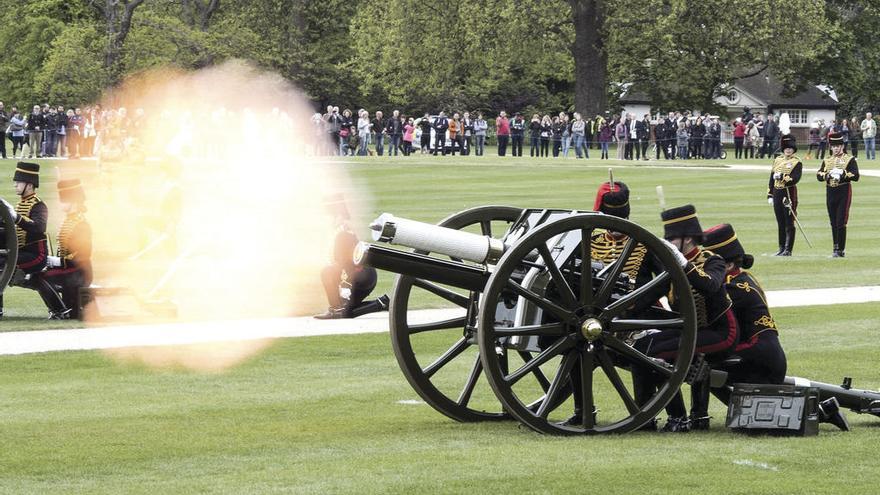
[(661, 197), (786, 201), (611, 178)]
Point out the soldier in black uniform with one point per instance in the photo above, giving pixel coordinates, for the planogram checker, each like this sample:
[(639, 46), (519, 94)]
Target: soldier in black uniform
[(782, 193), (837, 171), (717, 331), (346, 284), (71, 268), (31, 216), (763, 360)]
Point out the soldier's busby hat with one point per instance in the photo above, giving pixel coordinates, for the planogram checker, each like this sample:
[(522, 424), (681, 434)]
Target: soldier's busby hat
[(788, 141), (27, 172), (835, 139), (722, 240), (71, 191), (614, 202), (681, 222)]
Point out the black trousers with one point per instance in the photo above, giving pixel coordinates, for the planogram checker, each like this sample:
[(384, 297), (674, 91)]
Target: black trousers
[(718, 338), (439, 143), (67, 283), (360, 282), (696, 147), (838, 200), (517, 143), (502, 145), (643, 143), (784, 220)]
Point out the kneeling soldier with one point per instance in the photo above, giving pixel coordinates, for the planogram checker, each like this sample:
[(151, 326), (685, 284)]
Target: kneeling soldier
[(763, 360), (717, 331), (31, 216), (346, 284), (71, 269)]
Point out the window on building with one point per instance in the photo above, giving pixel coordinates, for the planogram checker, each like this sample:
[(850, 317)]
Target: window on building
[(796, 116)]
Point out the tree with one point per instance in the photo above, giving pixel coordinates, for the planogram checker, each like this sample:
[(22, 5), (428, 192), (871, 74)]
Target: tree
[(682, 53), (25, 46), (590, 56), (849, 58), (73, 72), (117, 16)]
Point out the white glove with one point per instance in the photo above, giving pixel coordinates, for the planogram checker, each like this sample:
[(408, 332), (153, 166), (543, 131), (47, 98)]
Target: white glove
[(53, 261), (777, 175), (679, 258), (770, 201), (836, 173)]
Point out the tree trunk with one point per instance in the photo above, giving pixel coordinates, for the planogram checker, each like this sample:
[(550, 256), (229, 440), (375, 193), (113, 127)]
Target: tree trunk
[(590, 60), (118, 26)]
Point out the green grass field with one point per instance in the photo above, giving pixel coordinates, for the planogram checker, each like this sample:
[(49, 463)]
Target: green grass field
[(321, 415)]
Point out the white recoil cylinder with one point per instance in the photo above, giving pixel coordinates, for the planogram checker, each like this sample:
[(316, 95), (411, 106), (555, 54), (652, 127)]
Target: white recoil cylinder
[(436, 239)]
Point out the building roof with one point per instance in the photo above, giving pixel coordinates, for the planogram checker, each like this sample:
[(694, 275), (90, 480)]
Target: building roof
[(767, 89)]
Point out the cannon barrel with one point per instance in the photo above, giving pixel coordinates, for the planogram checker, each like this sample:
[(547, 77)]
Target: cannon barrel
[(856, 400), (421, 266), (436, 239)]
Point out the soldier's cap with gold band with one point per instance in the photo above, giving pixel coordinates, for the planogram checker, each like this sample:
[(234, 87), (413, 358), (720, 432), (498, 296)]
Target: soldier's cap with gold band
[(722, 240), (835, 139), (788, 141), (27, 172), (71, 191), (615, 203), (681, 221)]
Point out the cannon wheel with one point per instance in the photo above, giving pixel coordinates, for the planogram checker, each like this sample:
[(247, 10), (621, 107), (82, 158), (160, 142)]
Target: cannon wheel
[(456, 396), (9, 250), (586, 328)]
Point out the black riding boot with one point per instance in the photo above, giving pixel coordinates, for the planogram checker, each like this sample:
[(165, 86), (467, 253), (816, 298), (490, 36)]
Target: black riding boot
[(841, 241), (789, 242), (57, 309), (700, 405)]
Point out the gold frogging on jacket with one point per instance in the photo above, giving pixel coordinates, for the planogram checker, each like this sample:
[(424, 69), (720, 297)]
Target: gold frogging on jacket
[(783, 166)]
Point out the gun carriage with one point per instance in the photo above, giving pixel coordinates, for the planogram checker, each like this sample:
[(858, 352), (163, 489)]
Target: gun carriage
[(8, 248), (544, 317)]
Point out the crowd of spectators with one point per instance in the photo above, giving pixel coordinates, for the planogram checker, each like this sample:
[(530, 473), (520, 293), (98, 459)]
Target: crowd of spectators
[(678, 135), (51, 131)]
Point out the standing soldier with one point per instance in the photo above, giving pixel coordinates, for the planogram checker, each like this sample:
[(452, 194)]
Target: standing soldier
[(837, 171), (71, 269), (782, 193), (763, 360)]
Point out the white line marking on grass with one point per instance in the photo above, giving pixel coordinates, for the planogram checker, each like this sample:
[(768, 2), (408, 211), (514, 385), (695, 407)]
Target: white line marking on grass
[(759, 465), (411, 402), (12, 343)]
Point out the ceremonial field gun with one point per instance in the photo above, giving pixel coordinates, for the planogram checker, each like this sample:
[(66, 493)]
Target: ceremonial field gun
[(8, 248), (532, 314)]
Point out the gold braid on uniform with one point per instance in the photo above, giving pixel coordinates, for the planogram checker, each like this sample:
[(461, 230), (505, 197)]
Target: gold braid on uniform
[(606, 248), (784, 167), (70, 223), (23, 208), (699, 298), (766, 321)]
